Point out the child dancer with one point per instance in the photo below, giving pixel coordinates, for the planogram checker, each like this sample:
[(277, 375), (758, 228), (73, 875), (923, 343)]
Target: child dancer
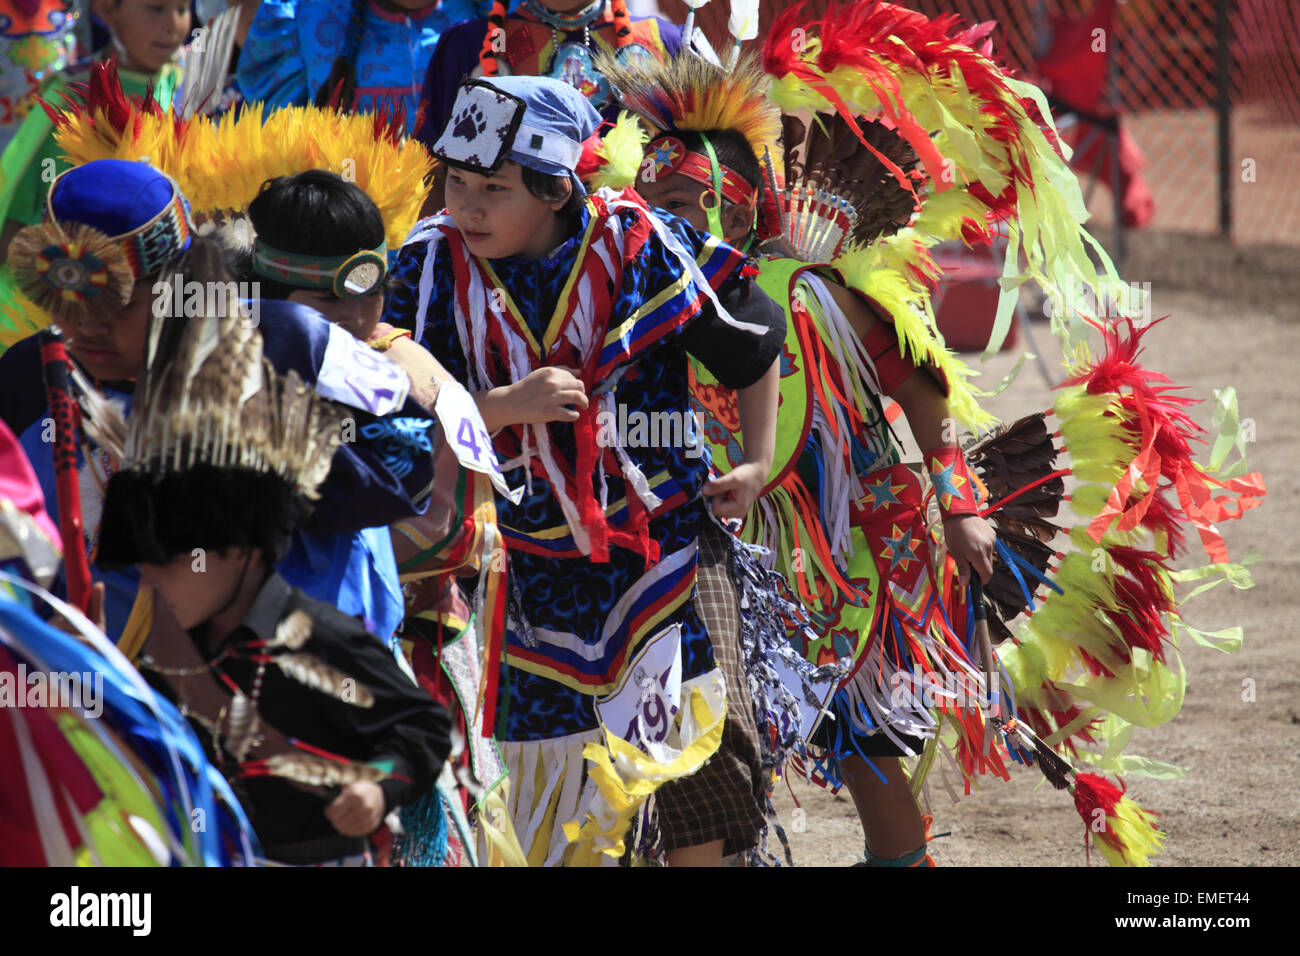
[(555, 307), (103, 266), (310, 719)]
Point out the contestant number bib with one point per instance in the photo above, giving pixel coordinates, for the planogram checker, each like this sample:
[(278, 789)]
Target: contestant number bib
[(643, 709), (468, 436)]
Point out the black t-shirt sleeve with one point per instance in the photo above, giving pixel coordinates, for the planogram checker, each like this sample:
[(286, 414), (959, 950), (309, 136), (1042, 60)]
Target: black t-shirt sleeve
[(737, 358)]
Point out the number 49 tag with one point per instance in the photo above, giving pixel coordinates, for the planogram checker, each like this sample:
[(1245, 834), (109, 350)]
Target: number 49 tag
[(470, 441)]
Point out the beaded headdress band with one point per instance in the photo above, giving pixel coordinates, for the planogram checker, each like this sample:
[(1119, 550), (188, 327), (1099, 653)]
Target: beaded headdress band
[(71, 269)]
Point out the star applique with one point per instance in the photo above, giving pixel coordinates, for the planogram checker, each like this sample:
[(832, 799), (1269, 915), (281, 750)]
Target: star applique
[(882, 493), (946, 484), (900, 549), (665, 158)]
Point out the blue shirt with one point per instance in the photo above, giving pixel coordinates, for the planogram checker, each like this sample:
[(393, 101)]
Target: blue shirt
[(292, 46)]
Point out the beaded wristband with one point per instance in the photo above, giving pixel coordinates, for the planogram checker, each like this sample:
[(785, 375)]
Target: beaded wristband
[(955, 488)]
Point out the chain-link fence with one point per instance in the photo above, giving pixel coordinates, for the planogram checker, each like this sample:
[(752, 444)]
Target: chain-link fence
[(1179, 67)]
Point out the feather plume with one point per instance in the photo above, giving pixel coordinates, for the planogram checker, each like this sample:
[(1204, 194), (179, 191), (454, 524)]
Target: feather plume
[(316, 771), (743, 22), (220, 164), (293, 631), (206, 63), (315, 673), (209, 396), (613, 160), (242, 727), (1124, 833), (101, 418), (686, 93)]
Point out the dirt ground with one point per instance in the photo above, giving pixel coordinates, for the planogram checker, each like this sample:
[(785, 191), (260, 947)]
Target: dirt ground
[(1235, 319)]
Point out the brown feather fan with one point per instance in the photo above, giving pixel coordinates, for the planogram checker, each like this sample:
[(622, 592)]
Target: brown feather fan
[(1008, 460), (837, 191), (209, 396)]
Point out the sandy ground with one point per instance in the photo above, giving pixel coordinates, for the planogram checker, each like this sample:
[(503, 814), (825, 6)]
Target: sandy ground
[(1235, 319)]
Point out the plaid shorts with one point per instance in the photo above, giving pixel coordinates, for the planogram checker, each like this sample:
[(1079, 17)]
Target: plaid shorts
[(723, 800)]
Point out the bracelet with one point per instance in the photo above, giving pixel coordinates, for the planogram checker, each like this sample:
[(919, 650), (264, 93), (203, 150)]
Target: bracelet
[(955, 489)]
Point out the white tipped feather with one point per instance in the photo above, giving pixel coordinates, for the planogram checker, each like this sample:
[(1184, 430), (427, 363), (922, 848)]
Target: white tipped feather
[(743, 22)]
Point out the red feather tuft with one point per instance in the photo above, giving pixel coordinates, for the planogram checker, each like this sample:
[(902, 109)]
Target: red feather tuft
[(1095, 798)]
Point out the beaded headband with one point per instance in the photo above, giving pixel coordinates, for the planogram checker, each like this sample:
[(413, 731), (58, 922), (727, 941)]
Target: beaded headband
[(347, 276), (671, 156)]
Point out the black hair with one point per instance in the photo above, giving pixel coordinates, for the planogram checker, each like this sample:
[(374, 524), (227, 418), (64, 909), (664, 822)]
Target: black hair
[(541, 186), (550, 188), (316, 212), (732, 150)]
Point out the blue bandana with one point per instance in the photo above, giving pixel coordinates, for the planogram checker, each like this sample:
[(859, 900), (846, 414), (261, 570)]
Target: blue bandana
[(537, 122)]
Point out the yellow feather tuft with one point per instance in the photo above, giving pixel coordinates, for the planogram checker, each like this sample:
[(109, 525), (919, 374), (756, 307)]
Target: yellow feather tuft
[(1138, 834), (220, 165), (622, 150)]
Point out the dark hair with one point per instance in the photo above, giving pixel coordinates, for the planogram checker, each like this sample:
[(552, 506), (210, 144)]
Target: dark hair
[(732, 150), (550, 188), (316, 212), (541, 186)]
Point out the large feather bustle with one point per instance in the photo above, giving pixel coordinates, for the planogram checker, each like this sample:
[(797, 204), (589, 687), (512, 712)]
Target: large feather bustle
[(221, 164), (838, 188), (974, 128), (1108, 644)]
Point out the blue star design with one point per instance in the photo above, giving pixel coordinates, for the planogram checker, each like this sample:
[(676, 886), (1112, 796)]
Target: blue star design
[(946, 483), (664, 156), (900, 549), (882, 493)]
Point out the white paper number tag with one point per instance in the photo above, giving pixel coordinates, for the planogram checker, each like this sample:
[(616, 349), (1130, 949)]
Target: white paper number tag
[(643, 709), (359, 376), (468, 436)]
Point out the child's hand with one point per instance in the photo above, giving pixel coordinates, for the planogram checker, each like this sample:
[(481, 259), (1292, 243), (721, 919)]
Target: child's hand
[(357, 810), (734, 493), (970, 542), (545, 396)]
